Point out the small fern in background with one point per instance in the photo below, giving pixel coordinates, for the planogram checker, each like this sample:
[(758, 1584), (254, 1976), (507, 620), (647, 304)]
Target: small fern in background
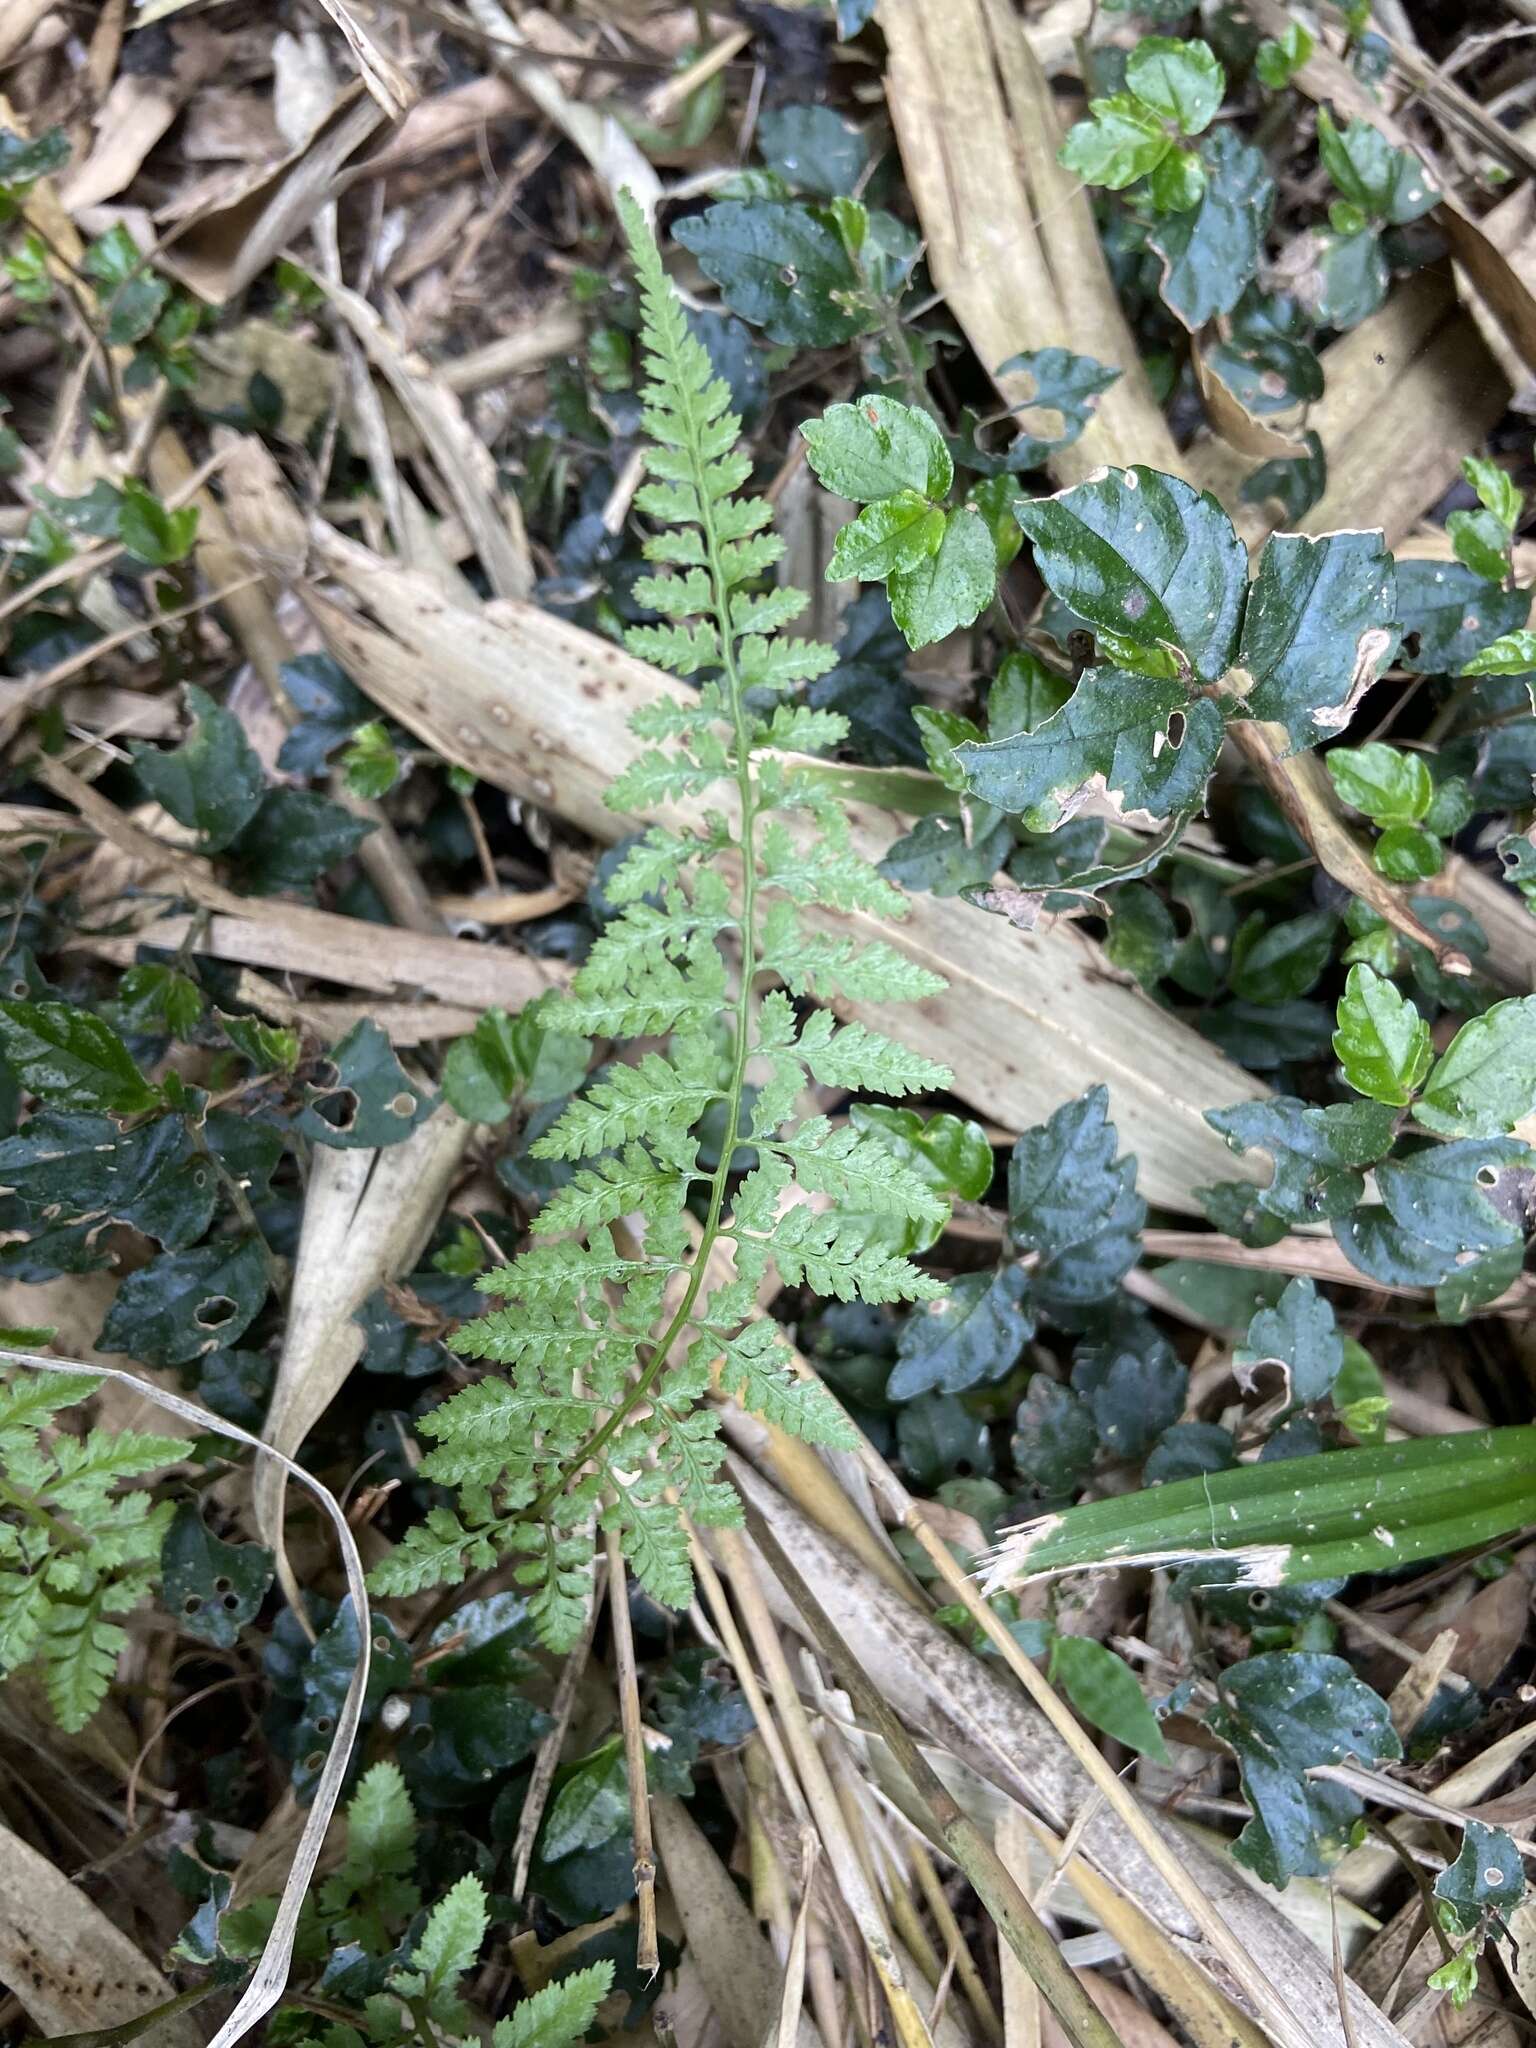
[(74, 1551), (596, 1413)]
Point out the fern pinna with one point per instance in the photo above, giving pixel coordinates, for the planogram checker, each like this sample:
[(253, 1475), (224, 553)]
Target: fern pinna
[(600, 1409)]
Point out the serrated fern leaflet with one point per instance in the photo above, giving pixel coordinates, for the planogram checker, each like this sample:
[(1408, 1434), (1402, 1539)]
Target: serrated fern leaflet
[(598, 1411)]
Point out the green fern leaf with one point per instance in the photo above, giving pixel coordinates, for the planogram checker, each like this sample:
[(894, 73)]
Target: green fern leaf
[(855, 1057), (758, 1367), (559, 2015)]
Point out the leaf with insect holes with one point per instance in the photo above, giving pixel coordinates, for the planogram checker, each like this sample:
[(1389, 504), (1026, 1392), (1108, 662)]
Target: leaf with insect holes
[(186, 1304), (1449, 616), (1319, 626), (1300, 1335), (366, 1098), (1488, 1876), (212, 1588), (1153, 566), (877, 447), (1470, 1195), (1153, 748)]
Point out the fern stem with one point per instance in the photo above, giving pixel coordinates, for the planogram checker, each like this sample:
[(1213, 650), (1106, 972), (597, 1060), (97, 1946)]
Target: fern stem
[(746, 792)]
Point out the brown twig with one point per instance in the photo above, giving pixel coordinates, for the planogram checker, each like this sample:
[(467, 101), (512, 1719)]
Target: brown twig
[(647, 1957), (547, 1759)]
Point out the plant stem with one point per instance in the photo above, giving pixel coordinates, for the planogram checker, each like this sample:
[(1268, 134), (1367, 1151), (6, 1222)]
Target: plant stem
[(647, 1956)]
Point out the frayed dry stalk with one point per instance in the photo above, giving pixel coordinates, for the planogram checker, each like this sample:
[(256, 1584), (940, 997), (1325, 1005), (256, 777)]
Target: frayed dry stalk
[(1016, 1919), (647, 1956)]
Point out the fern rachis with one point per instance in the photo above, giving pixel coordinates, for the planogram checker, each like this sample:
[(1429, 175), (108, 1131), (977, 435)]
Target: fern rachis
[(593, 1413)]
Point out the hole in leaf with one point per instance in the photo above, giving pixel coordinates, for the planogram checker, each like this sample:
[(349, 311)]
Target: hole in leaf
[(403, 1104), (1411, 644), (324, 1724), (314, 1760), (1258, 1601), (222, 1585), (1486, 1177), (213, 1313), (788, 274), (231, 1603), (1178, 725), (192, 1604), (339, 1109), (383, 1645)]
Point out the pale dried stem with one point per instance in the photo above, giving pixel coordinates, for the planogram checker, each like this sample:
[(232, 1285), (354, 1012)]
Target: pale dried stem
[(547, 1758), (647, 1957)]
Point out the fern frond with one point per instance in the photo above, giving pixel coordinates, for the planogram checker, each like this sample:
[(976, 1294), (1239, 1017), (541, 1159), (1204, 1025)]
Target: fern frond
[(588, 1417)]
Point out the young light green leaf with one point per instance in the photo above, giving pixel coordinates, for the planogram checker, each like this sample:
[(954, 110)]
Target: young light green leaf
[(1512, 654), (1386, 184), (951, 587), (877, 447), (450, 1942), (1121, 141), (891, 535), (1391, 787), (1180, 81), (1382, 1042), (1484, 1082)]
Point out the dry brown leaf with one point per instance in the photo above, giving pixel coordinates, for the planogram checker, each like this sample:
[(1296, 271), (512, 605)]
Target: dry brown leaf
[(66, 1963), (744, 1982), (1010, 236)]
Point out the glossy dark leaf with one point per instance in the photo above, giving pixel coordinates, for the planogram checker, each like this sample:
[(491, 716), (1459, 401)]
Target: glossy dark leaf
[(973, 1335), (295, 837), (330, 706), (780, 266), (212, 1588), (1134, 1383), (1448, 615), (1470, 1195), (1488, 1876), (366, 1097), (1285, 1713), (71, 1059), (1318, 630), (213, 782), (1153, 746), (184, 1304), (1066, 391), (1319, 1153), (75, 1167), (1211, 253), (1300, 1335), (1055, 1438), (813, 149)]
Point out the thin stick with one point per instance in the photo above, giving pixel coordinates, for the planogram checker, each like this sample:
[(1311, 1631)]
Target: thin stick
[(547, 1759), (949, 1930), (994, 1884), (647, 1956)]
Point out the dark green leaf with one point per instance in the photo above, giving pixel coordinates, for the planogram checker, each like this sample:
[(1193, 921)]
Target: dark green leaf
[(1055, 1438), (1271, 963), (778, 265), (1488, 1876), (1373, 1240), (813, 149), (1268, 373), (152, 531), (1154, 748), (939, 1438), (1386, 184), (1350, 278), (590, 1806), (1299, 1335), (1294, 482), (1448, 615), (940, 855), (1133, 1382), (1318, 1153), (212, 1588), (368, 1099), (185, 1304), (1186, 1451), (295, 837), (330, 708), (481, 1076), (72, 1059), (75, 1168), (1284, 1714), (1152, 565), (972, 1335), (213, 782), (1472, 1195), (1066, 392), (1317, 631), (1211, 253)]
